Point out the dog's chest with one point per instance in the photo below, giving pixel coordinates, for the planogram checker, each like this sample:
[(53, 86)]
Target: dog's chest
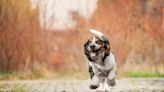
[(100, 65)]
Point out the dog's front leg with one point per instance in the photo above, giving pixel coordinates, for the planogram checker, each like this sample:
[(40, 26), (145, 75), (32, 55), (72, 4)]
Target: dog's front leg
[(91, 71), (95, 78), (111, 77), (95, 81)]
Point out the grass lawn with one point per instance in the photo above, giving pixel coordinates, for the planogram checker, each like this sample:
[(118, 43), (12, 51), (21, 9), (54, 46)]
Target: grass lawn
[(137, 74), (70, 75)]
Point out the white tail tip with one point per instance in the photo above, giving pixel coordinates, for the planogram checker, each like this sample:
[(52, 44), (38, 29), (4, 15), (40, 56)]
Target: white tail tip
[(96, 32)]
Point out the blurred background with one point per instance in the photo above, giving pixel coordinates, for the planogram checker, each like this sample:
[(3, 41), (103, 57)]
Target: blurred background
[(43, 39)]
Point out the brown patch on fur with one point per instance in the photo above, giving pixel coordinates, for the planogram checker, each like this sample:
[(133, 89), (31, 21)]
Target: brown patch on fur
[(107, 49)]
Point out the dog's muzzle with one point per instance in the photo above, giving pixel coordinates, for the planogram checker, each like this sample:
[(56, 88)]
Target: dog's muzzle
[(93, 47), (94, 54)]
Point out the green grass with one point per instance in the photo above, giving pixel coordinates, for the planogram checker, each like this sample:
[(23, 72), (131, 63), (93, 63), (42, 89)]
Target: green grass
[(137, 74), (13, 88), (71, 75), (44, 75), (20, 89), (5, 75)]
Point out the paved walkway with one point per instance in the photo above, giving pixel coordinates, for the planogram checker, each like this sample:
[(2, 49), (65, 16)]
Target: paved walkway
[(123, 85)]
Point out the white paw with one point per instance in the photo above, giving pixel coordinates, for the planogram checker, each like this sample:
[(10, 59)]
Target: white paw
[(103, 88), (106, 87)]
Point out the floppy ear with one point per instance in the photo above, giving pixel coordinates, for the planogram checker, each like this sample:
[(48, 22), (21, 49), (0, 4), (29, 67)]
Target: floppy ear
[(106, 45), (86, 51), (107, 49)]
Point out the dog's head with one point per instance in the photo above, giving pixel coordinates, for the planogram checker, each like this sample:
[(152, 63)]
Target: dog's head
[(96, 47)]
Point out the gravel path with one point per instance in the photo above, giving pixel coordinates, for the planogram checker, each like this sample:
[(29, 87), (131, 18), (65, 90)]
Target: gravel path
[(123, 85)]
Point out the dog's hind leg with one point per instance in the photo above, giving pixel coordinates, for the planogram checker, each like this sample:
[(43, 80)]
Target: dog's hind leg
[(111, 77), (111, 82)]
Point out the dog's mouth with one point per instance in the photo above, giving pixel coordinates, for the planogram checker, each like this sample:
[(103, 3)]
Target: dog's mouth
[(94, 54)]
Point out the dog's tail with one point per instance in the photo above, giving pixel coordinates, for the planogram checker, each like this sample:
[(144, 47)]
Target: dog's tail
[(96, 32), (99, 34)]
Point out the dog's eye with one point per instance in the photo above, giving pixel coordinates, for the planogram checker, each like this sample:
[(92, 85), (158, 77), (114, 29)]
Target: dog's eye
[(89, 42), (98, 42)]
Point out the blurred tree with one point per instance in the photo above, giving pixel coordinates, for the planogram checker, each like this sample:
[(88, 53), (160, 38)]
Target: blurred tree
[(18, 34)]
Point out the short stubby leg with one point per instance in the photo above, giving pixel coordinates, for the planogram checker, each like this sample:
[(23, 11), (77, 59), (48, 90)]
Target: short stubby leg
[(91, 72), (111, 77), (95, 82)]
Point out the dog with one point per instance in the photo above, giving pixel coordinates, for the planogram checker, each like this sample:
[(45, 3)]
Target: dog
[(101, 61)]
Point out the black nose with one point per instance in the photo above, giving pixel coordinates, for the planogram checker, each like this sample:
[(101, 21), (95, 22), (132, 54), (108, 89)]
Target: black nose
[(92, 46)]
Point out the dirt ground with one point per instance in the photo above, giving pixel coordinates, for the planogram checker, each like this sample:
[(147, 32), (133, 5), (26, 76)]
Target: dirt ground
[(123, 85)]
